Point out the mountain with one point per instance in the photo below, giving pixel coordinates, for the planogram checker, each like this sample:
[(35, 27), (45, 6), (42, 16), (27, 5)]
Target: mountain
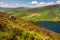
[(47, 13), (12, 28), (13, 10)]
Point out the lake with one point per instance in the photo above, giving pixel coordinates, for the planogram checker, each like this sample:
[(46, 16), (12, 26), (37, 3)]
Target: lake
[(54, 26)]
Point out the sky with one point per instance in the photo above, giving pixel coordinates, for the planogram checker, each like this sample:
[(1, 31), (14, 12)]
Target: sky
[(27, 3)]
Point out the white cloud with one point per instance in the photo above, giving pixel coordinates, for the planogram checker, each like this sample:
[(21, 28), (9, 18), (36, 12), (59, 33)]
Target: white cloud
[(31, 4), (42, 3), (58, 2), (2, 4), (17, 4), (34, 2), (6, 5), (39, 4)]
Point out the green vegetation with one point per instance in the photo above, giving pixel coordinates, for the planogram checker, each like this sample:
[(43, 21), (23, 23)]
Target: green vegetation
[(48, 13), (19, 29), (20, 14)]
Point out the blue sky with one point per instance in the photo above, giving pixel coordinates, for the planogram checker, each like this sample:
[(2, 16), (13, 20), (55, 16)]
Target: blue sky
[(23, 3)]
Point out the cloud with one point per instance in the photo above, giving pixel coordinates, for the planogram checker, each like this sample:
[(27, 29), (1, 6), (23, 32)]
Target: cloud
[(17, 4), (58, 1), (31, 4), (2, 4), (6, 5), (34, 2), (40, 4)]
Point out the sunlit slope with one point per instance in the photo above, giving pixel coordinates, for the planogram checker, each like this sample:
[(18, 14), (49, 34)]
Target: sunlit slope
[(47, 13), (18, 29), (21, 14)]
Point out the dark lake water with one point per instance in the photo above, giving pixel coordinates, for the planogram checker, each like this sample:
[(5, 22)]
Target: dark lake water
[(54, 26)]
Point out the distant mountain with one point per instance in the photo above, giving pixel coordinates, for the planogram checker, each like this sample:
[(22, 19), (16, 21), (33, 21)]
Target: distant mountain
[(50, 7), (13, 10), (12, 28)]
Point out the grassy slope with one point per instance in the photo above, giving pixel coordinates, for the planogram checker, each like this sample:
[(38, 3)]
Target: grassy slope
[(20, 14), (19, 29), (13, 10), (48, 13)]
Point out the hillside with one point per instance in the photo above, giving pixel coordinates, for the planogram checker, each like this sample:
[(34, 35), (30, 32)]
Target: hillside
[(18, 29), (13, 10), (47, 13)]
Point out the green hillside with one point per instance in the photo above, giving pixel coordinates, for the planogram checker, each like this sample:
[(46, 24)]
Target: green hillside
[(18, 29), (13, 10), (47, 13), (20, 14)]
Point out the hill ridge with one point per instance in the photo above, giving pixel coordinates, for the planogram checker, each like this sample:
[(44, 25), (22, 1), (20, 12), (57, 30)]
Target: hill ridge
[(22, 25)]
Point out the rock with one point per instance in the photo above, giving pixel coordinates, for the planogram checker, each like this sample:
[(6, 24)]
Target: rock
[(12, 17)]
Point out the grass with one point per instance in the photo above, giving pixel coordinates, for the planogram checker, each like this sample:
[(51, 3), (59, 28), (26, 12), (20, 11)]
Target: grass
[(45, 14), (19, 29), (20, 14)]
